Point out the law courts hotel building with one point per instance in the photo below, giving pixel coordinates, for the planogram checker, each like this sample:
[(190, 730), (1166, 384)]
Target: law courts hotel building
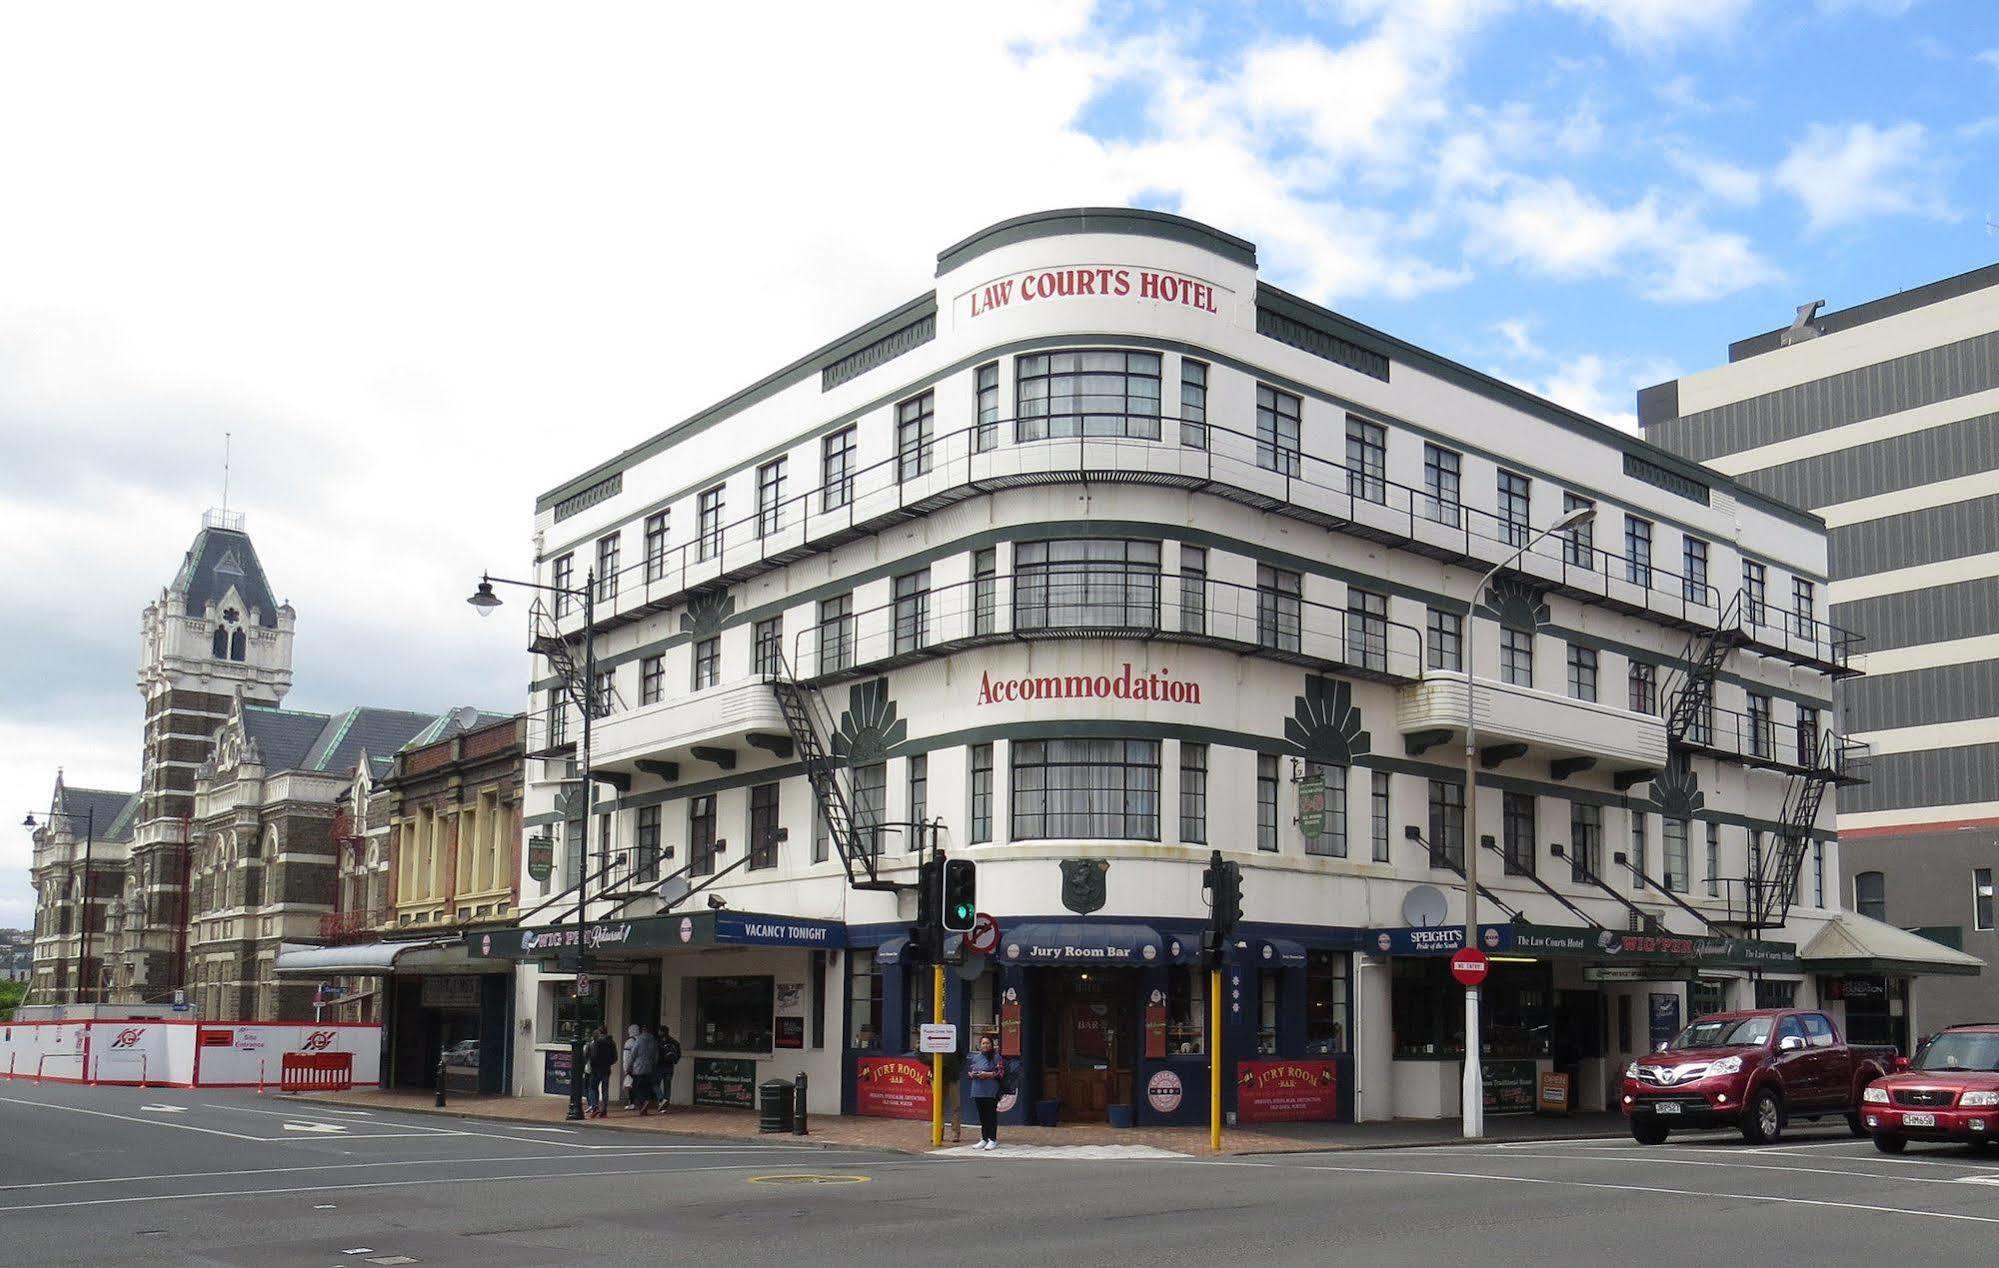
[(1093, 559)]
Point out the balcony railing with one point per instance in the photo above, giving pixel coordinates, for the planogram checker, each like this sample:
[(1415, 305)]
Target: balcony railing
[(1760, 740)]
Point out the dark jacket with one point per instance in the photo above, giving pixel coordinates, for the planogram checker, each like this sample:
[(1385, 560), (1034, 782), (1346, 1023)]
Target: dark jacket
[(602, 1055), (669, 1050)]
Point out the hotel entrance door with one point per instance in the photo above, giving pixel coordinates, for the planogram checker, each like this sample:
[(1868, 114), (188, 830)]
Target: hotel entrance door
[(1087, 1042)]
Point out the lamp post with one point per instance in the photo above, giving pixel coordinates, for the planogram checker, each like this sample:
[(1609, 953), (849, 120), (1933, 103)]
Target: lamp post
[(89, 817), (1472, 1095), (484, 600)]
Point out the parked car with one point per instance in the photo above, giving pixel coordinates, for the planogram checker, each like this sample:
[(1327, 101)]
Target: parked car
[(1757, 1071), (1949, 1092)]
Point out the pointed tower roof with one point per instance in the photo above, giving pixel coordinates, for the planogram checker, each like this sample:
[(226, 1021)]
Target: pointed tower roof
[(222, 558)]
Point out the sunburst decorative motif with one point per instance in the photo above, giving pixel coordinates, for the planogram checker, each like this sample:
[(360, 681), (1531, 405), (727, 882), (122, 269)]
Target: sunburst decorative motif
[(869, 730), (1324, 724), (1676, 791), (705, 614), (1515, 604)]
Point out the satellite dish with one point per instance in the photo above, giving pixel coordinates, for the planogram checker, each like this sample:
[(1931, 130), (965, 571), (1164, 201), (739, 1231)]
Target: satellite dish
[(1425, 906), (673, 890)]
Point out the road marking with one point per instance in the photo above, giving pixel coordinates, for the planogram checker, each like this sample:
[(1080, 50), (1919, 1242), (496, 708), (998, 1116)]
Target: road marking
[(1711, 1162), (1976, 1180), (296, 1117), (321, 1127), (127, 1118), (162, 1109), (560, 1131), (793, 1177)]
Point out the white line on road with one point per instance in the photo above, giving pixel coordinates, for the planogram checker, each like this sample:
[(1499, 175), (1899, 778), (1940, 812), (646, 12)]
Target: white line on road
[(127, 1118), (162, 1109), (298, 1117), (1661, 1161), (319, 1127)]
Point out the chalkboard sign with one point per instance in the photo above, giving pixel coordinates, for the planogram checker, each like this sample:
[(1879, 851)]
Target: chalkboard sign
[(791, 1032), (725, 1082), (555, 1069), (1509, 1087)]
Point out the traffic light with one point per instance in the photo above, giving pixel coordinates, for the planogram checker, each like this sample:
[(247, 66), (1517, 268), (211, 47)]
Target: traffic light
[(925, 942), (1222, 882), (960, 900)]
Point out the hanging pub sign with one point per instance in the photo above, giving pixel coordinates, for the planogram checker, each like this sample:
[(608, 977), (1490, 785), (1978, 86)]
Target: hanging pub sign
[(1312, 807), (541, 858)]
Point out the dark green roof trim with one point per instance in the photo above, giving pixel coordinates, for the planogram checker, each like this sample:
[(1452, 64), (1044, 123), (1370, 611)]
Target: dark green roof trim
[(1331, 323), (880, 352), (797, 372), (1072, 220), (602, 491)]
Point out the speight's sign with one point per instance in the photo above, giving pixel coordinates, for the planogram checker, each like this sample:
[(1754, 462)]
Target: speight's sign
[(1590, 944)]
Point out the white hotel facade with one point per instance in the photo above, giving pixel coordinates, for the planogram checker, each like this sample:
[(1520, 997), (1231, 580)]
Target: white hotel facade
[(1089, 558)]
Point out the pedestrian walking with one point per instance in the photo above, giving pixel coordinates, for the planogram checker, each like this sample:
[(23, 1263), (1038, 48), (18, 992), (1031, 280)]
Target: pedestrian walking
[(631, 1040), (986, 1071), (645, 1065), (597, 1064), (669, 1057)]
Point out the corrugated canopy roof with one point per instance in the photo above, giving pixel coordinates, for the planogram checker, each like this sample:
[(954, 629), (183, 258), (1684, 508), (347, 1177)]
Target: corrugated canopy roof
[(1861, 944)]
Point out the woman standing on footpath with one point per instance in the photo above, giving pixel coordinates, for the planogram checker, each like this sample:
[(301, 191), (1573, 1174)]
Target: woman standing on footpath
[(986, 1071)]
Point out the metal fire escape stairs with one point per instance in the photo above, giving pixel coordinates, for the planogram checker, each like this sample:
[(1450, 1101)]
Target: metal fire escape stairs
[(807, 717)]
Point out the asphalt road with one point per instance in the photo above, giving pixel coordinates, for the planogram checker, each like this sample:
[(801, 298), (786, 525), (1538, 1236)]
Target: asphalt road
[(119, 1175)]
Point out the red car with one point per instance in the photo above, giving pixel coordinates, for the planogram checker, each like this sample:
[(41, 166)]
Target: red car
[(1755, 1071), (1950, 1092)]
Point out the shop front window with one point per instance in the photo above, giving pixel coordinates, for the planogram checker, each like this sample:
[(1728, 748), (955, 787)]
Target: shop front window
[(1268, 985), (1186, 1011), (733, 1014), (572, 1013), (864, 1001), (1328, 1002)]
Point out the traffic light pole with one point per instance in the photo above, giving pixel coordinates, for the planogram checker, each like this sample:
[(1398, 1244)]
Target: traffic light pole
[(1215, 1058), (937, 1058)]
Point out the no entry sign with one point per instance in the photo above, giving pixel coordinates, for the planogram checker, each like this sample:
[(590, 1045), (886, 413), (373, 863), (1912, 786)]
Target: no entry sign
[(1469, 966)]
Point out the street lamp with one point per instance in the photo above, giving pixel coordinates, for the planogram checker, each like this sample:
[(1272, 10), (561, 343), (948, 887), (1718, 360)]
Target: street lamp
[(89, 817), (484, 600), (1472, 1103)]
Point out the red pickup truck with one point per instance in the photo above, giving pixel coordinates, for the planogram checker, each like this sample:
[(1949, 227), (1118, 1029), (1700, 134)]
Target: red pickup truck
[(1756, 1070)]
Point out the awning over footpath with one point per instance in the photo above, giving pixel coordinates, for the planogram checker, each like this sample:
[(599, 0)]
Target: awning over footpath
[(650, 934), (376, 959), (1853, 943), (1594, 946), (1107, 944)]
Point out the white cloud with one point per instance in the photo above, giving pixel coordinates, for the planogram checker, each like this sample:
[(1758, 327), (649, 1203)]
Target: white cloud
[(1877, 8), (1990, 57), (1605, 389), (1651, 25), (1857, 172), (1518, 332), (1719, 179)]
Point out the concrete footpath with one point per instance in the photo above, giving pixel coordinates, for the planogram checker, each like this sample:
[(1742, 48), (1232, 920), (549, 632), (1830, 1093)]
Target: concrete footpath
[(914, 1137)]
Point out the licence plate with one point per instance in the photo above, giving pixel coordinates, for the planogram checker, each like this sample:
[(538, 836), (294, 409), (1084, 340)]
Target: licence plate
[(1666, 1107), (1919, 1120)]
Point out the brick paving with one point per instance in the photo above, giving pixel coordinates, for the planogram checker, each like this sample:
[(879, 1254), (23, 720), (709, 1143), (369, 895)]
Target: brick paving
[(914, 1137)]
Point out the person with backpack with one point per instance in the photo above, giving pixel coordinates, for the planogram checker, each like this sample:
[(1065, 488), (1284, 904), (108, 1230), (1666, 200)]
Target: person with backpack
[(645, 1064), (986, 1071), (669, 1057), (631, 1041), (597, 1064)]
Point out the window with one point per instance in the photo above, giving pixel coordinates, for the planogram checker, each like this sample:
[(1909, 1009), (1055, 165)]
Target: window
[(1772, 993), (982, 793), (1582, 672), (1762, 740), (701, 836), (733, 1014), (564, 581), (1517, 818), (1516, 657), (1193, 404), (985, 589), (1700, 729), (836, 633), (1578, 543), (1093, 583), (1279, 607), (1804, 609), (1367, 461), (919, 799), (607, 567), (870, 805), (1447, 825), (1818, 874), (914, 420), (605, 698), (1446, 633), (575, 1016), (1637, 860), (652, 680), (864, 1000), (645, 868), (1378, 806), (988, 408), (1085, 789), (1870, 895), (1808, 737), (558, 720), (1277, 419), (1266, 802), (707, 662), (1642, 684), (1638, 551), (1332, 842), (912, 610), (1585, 842), (1367, 629), (709, 514), (656, 545), (1193, 793), (767, 647), (763, 826), (1713, 862), (1754, 592), (1440, 484), (1093, 393), (1186, 1010), (1514, 497), (1193, 590), (1678, 876), (836, 469), (770, 497), (1693, 570), (1981, 898)]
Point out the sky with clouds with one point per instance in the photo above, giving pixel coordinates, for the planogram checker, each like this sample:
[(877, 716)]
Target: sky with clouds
[(425, 261)]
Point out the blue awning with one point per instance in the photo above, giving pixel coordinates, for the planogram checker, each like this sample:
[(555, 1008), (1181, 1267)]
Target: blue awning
[(1106, 945), (889, 952), (1280, 952)]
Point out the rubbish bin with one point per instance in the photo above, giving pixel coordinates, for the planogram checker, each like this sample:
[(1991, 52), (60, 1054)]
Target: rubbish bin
[(774, 1106)]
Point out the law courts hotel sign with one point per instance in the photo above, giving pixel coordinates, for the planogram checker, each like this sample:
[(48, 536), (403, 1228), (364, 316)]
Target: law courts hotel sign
[(1093, 281)]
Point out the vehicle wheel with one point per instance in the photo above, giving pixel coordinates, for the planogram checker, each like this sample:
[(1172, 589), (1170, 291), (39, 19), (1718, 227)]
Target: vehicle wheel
[(1981, 1146), (1856, 1124), (1648, 1131), (1890, 1144), (1765, 1120)]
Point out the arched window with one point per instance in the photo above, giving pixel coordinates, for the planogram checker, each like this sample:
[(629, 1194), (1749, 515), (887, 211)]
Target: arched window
[(236, 645), (1870, 895), (221, 643)]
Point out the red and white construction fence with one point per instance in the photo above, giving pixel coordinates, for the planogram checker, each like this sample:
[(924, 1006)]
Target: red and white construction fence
[(294, 1055)]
